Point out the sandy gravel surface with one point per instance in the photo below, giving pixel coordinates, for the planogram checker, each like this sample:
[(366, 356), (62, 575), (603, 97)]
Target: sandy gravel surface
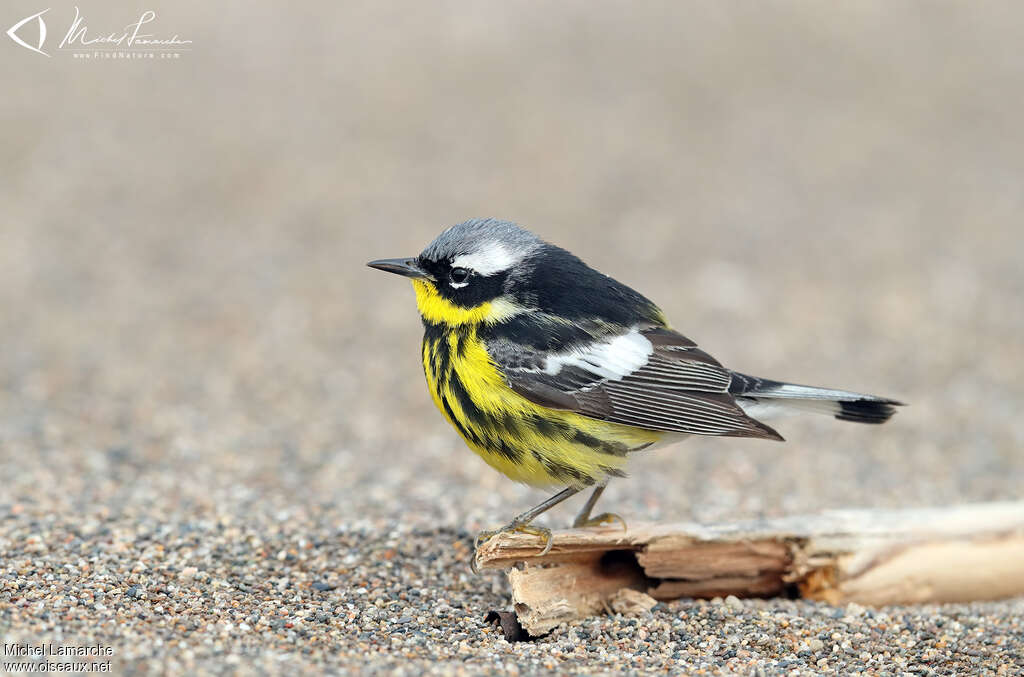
[(216, 448)]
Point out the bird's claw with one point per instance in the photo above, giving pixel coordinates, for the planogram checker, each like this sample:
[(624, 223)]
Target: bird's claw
[(515, 528), (600, 520)]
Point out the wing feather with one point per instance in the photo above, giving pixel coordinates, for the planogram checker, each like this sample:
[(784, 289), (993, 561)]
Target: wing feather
[(648, 377)]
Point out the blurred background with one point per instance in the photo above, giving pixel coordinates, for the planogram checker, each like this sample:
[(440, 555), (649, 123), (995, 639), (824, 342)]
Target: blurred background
[(826, 193)]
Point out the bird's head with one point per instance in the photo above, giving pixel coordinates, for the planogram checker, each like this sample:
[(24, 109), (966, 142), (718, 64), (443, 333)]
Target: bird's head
[(479, 271), (486, 271)]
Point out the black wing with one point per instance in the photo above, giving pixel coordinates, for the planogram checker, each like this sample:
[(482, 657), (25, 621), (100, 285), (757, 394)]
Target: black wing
[(649, 377)]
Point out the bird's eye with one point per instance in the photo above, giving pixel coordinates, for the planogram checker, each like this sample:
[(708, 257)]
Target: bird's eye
[(459, 275)]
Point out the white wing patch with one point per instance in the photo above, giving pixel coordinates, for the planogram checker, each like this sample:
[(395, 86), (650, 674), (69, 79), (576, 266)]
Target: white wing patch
[(612, 359), (492, 259)]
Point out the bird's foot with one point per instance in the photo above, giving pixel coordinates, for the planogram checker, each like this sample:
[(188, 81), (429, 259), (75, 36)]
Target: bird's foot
[(599, 520), (517, 528)]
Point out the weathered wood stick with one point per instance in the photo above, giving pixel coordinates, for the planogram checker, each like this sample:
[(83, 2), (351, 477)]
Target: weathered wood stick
[(955, 554)]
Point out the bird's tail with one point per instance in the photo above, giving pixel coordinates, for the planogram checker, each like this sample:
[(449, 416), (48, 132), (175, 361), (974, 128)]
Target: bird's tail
[(760, 397)]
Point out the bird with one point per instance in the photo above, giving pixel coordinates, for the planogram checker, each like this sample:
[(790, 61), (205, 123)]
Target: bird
[(555, 373)]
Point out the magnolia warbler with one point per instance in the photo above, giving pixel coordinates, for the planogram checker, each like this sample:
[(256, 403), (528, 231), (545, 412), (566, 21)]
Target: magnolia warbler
[(554, 372)]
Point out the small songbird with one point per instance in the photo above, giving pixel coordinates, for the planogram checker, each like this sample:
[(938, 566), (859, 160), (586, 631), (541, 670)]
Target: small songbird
[(555, 373)]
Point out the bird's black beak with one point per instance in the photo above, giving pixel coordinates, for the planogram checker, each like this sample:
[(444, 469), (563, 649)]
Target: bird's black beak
[(406, 267)]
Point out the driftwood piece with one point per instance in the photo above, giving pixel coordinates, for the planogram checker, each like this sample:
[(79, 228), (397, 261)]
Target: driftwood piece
[(956, 554)]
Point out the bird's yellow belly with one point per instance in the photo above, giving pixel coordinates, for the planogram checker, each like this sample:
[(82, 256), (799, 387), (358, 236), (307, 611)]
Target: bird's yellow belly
[(527, 442)]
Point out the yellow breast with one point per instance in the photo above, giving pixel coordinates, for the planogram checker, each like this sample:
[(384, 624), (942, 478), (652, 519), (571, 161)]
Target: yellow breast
[(527, 442)]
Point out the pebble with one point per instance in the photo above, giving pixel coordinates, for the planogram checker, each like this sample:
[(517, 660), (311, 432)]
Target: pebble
[(429, 617)]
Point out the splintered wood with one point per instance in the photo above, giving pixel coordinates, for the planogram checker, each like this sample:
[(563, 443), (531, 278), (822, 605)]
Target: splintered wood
[(964, 553)]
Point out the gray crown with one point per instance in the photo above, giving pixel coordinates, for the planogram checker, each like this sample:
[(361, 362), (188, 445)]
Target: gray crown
[(476, 235)]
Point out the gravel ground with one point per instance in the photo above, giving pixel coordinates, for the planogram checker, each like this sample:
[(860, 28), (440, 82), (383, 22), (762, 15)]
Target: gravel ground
[(216, 448)]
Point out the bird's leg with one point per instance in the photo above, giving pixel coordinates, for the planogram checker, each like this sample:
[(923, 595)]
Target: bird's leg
[(521, 523), (585, 520), (584, 516)]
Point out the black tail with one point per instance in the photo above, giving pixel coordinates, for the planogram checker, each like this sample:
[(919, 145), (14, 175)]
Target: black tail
[(759, 396), (867, 411)]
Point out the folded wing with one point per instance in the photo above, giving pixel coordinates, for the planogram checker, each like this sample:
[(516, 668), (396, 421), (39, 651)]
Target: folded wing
[(648, 377)]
